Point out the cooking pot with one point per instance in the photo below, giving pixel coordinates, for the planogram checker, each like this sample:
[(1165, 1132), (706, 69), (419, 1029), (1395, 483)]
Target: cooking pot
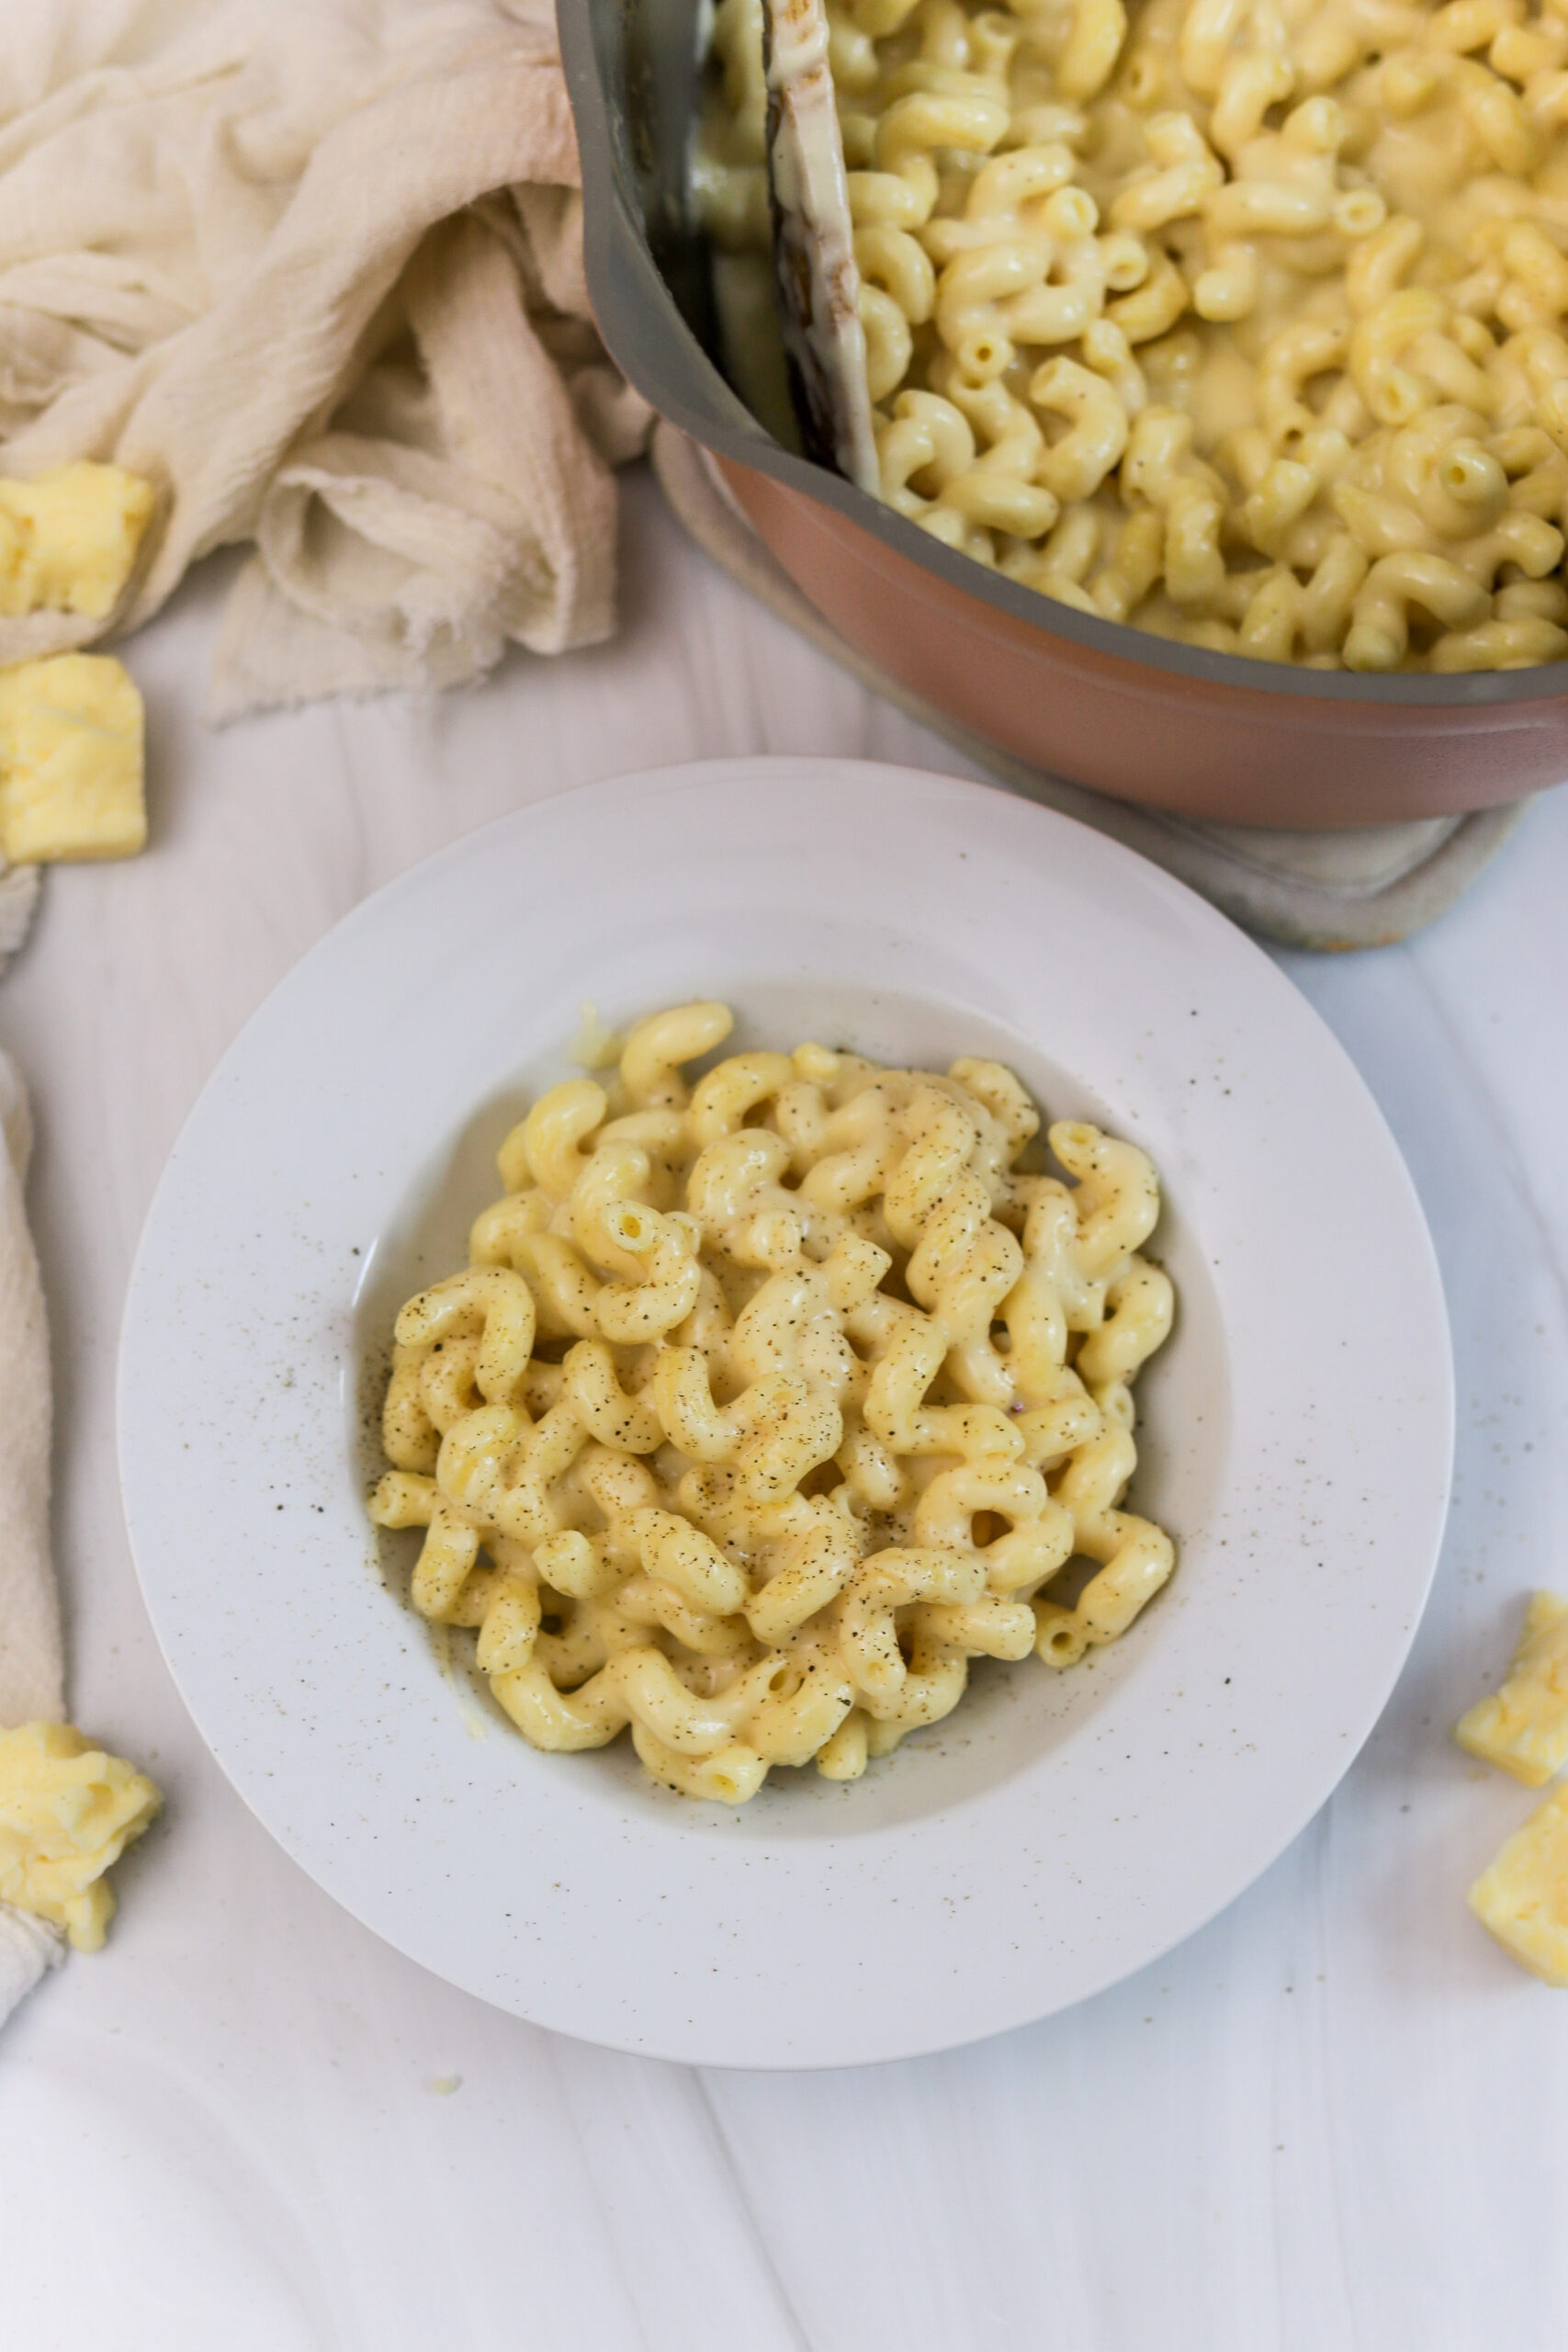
[(1129, 713)]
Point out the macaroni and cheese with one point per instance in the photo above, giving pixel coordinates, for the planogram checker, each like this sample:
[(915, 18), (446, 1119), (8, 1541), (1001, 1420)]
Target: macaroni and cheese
[(768, 1401), (1242, 321)]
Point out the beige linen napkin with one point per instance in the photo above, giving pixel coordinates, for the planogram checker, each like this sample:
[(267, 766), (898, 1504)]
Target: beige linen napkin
[(18, 896), (314, 267), (31, 1673)]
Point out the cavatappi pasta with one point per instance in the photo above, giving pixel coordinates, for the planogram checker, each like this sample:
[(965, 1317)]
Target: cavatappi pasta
[(1239, 319), (768, 1402)]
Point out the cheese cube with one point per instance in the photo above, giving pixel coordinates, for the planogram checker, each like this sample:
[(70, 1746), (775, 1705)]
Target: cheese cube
[(67, 1811), (68, 540), (1523, 1898), (70, 760), (1524, 1727)]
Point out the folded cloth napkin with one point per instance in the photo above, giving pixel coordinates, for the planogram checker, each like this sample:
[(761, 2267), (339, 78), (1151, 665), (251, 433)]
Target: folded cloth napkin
[(18, 896), (32, 1687), (29, 1947), (314, 267)]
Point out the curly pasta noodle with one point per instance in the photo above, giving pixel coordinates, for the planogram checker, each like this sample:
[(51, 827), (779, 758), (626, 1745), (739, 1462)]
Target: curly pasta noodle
[(1242, 321), (768, 1402)]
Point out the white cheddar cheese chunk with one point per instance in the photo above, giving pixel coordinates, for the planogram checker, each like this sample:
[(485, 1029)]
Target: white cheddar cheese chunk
[(69, 539), (71, 763), (1524, 1727), (67, 1811), (1523, 1898)]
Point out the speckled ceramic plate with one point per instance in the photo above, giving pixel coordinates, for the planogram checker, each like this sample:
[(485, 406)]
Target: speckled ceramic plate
[(1057, 1832)]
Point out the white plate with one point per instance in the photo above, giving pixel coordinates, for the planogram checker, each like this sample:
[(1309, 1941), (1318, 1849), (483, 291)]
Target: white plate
[(1054, 1833)]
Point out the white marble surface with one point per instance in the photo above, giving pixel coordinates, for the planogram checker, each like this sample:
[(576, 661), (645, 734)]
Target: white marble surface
[(1334, 2121)]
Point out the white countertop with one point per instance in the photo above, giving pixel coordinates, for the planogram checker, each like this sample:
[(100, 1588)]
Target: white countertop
[(1338, 2117)]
